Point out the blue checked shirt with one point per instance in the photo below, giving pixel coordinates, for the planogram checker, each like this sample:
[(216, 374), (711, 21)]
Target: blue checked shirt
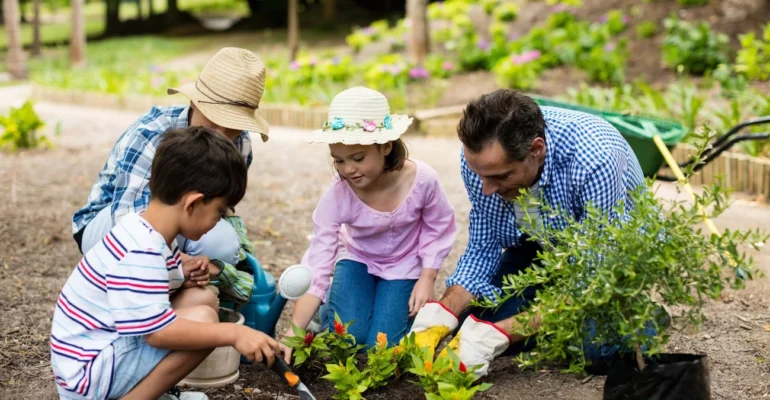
[(587, 161), (124, 183)]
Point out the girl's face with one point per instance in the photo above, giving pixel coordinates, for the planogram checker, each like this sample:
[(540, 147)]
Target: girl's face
[(360, 165)]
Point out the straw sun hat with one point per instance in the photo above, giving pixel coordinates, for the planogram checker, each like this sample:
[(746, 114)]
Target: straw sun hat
[(229, 89), (361, 115)]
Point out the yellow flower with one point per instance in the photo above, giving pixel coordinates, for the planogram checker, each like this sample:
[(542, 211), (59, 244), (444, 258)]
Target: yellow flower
[(428, 366), (382, 339)]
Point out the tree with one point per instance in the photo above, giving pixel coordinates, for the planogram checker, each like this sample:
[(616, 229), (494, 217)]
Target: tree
[(78, 34), (419, 39), (329, 8), (293, 30), (35, 52), (17, 66)]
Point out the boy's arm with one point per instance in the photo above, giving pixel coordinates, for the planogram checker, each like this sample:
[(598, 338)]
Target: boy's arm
[(184, 334)]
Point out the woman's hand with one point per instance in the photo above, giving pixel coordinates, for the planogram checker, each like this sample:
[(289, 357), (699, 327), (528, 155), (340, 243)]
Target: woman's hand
[(423, 291)]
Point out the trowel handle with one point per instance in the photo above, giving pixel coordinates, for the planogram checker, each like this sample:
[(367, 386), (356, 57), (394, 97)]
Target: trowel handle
[(283, 370)]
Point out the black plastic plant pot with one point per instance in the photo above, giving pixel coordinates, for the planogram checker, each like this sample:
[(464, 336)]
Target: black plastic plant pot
[(665, 377)]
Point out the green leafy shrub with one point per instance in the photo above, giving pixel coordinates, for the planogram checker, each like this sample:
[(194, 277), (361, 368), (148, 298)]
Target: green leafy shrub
[(646, 29), (693, 47), (307, 346), (519, 71), (753, 59), (605, 64), (506, 12), (616, 22), (619, 272), (20, 129), (445, 378), (349, 381)]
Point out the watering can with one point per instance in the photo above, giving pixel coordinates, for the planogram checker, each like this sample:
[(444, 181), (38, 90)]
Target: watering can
[(266, 304)]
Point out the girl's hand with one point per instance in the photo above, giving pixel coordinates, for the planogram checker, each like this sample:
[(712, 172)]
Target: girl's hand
[(421, 294), (286, 349)]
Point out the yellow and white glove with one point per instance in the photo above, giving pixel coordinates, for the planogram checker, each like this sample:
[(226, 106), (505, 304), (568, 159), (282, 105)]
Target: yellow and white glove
[(478, 343), (432, 324)]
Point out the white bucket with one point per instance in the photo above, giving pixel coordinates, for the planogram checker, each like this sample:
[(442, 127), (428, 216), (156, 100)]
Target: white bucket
[(221, 367)]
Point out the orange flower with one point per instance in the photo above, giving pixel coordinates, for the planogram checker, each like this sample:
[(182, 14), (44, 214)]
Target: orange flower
[(396, 350), (339, 328), (428, 366), (382, 340)]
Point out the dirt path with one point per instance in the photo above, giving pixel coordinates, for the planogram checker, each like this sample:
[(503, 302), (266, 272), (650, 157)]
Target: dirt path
[(37, 254)]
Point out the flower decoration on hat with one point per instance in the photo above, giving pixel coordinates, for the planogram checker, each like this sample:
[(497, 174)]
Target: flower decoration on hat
[(337, 123), (369, 126), (387, 123)]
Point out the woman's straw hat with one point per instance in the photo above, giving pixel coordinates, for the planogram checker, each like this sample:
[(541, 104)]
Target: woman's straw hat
[(361, 115), (229, 89)]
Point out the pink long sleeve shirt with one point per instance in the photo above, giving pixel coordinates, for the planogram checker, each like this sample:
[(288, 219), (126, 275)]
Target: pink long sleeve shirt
[(393, 245)]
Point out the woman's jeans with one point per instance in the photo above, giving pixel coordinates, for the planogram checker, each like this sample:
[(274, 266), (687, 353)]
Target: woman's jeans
[(514, 260), (373, 304)]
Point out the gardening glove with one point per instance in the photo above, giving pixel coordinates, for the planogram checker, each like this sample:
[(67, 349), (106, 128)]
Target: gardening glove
[(432, 324), (478, 343)]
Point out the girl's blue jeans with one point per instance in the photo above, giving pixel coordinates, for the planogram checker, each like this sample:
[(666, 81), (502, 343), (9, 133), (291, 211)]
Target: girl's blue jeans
[(514, 260), (373, 304)]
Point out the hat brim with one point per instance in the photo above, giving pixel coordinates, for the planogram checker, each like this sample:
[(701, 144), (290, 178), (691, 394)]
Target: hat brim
[(225, 115), (400, 124)]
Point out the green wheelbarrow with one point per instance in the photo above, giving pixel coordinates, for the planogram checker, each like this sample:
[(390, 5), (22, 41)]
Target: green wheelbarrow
[(639, 130)]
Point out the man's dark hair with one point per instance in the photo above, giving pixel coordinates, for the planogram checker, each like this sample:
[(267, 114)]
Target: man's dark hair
[(197, 159), (398, 155), (506, 116)]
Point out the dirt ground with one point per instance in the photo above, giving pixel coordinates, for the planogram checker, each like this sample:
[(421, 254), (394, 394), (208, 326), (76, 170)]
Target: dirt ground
[(37, 254)]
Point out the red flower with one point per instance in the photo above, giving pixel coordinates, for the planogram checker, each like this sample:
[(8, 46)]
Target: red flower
[(462, 367), (339, 328), (309, 339)]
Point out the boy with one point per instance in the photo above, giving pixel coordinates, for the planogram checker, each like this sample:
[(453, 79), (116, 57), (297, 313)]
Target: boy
[(131, 322)]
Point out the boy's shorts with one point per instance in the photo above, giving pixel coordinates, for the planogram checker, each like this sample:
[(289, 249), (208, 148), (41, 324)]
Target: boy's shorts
[(134, 360)]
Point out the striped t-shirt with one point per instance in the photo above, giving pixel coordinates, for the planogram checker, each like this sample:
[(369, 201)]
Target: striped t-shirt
[(121, 287)]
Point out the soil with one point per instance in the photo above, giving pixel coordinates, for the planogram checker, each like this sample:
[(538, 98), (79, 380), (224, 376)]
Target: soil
[(37, 254)]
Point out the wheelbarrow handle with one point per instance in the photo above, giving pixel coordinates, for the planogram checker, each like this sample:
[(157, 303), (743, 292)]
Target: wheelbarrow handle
[(737, 128), (714, 152)]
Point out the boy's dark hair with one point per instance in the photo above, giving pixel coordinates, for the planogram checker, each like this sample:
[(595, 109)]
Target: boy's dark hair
[(507, 116), (197, 159), (398, 155)]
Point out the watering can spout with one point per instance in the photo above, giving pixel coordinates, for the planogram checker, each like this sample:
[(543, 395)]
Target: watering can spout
[(267, 303)]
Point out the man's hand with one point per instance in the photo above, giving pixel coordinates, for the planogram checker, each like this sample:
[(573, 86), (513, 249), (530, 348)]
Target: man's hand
[(423, 291), (432, 324), (256, 346), (456, 299), (478, 343)]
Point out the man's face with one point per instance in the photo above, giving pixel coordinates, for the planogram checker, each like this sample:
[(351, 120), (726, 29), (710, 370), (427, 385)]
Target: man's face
[(198, 119), (503, 176)]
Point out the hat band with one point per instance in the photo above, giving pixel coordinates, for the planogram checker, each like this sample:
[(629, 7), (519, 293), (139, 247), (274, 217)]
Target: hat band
[(337, 123), (226, 101)]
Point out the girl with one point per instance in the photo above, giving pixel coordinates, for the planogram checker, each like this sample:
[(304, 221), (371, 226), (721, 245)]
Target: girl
[(385, 222)]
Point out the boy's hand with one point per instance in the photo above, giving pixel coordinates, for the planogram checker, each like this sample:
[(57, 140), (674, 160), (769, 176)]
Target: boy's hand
[(197, 271), (421, 294), (256, 346)]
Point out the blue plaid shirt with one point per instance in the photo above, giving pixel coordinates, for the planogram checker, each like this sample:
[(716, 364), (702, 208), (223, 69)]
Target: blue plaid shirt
[(587, 161), (124, 181)]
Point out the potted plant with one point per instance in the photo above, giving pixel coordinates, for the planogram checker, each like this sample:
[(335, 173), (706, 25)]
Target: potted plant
[(623, 274), (221, 367)]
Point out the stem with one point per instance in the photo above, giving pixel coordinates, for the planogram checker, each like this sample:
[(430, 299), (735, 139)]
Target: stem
[(639, 357)]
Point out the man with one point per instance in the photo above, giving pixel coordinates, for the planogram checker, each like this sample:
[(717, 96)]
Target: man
[(224, 98), (568, 159)]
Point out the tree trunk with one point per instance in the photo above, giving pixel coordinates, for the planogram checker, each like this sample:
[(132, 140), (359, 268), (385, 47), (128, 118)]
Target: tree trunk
[(78, 34), (419, 39), (139, 9), (17, 66), (36, 28), (329, 8), (172, 12), (293, 30), (112, 16)]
